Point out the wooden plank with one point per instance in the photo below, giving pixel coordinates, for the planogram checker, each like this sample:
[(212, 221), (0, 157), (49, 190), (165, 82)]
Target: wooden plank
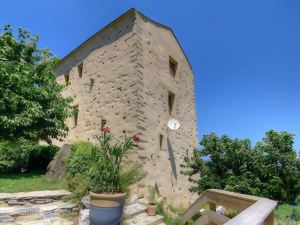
[(195, 207), (202, 220), (255, 214), (216, 218), (234, 195), (233, 202), (254, 210), (270, 219), (212, 208)]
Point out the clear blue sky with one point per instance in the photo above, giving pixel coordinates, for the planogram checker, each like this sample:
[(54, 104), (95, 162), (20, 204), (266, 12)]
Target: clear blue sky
[(245, 53)]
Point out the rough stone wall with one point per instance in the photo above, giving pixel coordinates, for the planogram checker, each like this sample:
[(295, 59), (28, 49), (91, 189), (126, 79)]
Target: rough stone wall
[(156, 45), (109, 60), (129, 63)]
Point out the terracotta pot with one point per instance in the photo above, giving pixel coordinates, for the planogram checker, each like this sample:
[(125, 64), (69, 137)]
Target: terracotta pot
[(106, 209), (151, 210)]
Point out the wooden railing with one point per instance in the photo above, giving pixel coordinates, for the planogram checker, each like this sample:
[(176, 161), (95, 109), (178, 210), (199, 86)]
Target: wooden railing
[(253, 210)]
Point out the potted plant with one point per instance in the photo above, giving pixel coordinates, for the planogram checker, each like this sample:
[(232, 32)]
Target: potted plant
[(109, 182), (151, 209)]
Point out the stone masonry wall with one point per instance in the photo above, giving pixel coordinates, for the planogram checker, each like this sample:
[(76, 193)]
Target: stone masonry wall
[(126, 80), (107, 88), (156, 45)]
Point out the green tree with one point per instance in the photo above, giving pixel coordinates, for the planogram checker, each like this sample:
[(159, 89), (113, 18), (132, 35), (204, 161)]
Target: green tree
[(31, 105), (270, 169), (279, 166)]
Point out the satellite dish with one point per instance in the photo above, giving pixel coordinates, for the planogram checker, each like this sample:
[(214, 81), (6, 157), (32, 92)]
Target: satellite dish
[(173, 124)]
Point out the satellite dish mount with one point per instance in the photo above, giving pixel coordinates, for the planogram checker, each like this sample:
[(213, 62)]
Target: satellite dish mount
[(173, 124)]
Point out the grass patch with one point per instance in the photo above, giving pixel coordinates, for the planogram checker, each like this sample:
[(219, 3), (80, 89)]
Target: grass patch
[(288, 214), (31, 181), (168, 219)]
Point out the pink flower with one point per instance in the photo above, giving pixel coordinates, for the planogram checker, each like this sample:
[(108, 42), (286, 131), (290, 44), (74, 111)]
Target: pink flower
[(136, 138), (106, 130)]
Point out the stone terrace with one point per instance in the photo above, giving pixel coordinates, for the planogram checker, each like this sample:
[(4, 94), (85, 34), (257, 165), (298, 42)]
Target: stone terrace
[(35, 208), (48, 208)]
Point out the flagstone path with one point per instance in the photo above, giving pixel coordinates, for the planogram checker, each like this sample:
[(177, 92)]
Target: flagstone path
[(48, 208)]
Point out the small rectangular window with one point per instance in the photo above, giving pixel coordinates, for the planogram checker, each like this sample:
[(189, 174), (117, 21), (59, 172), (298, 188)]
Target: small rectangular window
[(173, 66), (171, 99), (67, 78), (161, 138), (103, 123), (92, 81), (75, 117), (80, 69)]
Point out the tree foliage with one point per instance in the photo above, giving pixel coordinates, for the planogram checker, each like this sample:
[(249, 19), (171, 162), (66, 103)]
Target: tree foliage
[(23, 155), (80, 159), (31, 105), (270, 169)]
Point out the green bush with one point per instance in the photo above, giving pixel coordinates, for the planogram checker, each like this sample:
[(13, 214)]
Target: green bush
[(175, 219), (22, 154), (14, 156), (41, 155), (78, 185), (287, 212), (80, 159), (78, 164)]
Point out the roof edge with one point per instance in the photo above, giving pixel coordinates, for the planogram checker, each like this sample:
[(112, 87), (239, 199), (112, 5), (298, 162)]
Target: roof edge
[(173, 33), (130, 11)]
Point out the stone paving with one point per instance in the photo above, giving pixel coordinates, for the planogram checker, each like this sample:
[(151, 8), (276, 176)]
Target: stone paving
[(48, 208), (144, 219), (34, 195), (134, 214), (35, 208)]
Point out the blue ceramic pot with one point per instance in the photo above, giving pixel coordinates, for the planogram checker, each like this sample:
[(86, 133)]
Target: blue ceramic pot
[(106, 209)]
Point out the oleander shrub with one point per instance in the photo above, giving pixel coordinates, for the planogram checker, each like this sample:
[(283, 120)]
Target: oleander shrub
[(108, 174), (98, 167)]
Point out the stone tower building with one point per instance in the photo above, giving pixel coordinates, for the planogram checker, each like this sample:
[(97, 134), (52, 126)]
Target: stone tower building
[(134, 76)]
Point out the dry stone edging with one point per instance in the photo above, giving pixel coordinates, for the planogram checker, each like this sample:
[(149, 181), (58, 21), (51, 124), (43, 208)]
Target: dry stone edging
[(35, 208), (34, 195)]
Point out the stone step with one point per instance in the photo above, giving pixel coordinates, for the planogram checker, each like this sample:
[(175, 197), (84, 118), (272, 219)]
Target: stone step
[(34, 195), (5, 219), (133, 210), (57, 221), (144, 219), (57, 206)]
